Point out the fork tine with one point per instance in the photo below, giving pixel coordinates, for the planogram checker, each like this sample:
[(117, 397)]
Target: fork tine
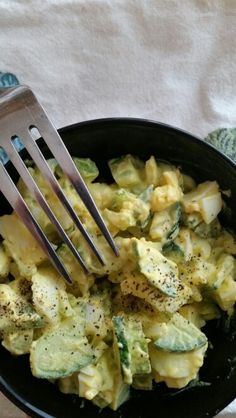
[(13, 196), (40, 161), (32, 186), (63, 157), (60, 152)]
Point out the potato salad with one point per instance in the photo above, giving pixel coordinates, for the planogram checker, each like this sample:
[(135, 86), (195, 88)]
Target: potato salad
[(139, 318)]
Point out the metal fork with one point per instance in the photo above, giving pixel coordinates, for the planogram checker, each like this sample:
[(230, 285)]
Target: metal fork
[(20, 112)]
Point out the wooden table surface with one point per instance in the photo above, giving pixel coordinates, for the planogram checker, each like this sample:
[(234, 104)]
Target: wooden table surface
[(8, 410)]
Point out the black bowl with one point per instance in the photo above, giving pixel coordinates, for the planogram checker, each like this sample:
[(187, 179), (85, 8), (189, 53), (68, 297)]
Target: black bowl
[(101, 140)]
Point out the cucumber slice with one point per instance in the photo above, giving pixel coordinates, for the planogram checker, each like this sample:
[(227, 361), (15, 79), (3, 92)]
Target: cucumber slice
[(132, 347), (165, 224), (159, 271), (179, 335), (212, 230), (86, 167), (123, 349), (172, 250), (146, 194), (127, 171), (60, 352), (175, 216)]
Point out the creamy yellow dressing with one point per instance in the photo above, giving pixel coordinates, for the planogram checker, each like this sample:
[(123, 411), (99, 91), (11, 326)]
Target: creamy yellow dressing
[(138, 318)]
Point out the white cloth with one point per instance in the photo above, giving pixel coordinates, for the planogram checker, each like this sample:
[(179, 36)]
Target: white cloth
[(166, 60)]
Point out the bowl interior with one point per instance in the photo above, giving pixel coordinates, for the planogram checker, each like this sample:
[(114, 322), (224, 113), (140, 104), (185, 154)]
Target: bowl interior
[(101, 140)]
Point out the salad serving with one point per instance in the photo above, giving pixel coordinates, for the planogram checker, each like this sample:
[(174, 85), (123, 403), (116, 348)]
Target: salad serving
[(138, 319)]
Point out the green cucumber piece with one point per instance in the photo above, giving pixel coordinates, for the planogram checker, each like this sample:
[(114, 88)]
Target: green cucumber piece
[(61, 351), (179, 335), (126, 170), (131, 345), (160, 272)]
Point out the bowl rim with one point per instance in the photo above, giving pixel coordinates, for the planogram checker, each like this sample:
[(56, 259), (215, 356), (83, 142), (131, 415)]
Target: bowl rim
[(149, 122), (5, 388)]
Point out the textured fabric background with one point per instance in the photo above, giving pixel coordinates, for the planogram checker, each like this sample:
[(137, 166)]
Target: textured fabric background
[(161, 59), (166, 60)]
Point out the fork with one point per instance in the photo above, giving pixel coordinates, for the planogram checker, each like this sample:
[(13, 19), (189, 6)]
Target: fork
[(20, 114)]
